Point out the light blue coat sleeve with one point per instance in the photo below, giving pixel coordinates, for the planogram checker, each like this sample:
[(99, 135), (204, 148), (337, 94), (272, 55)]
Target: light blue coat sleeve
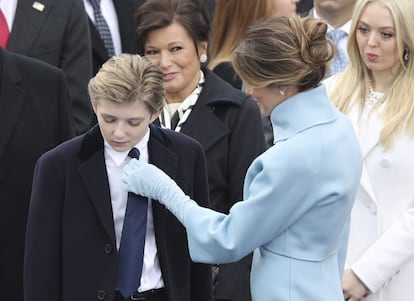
[(274, 195)]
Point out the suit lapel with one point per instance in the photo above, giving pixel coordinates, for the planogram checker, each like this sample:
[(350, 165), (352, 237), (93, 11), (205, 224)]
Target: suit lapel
[(368, 133), (98, 46), (94, 176), (11, 96), (125, 10), (216, 130), (30, 15), (160, 154), (214, 94), (164, 158)]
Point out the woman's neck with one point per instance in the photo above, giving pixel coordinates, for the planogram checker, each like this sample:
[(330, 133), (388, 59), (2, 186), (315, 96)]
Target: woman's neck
[(381, 82)]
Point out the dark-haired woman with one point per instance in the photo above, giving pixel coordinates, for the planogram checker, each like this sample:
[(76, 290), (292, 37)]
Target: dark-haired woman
[(174, 34)]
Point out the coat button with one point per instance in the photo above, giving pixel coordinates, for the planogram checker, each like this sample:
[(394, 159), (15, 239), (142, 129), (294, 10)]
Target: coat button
[(101, 295), (108, 249)]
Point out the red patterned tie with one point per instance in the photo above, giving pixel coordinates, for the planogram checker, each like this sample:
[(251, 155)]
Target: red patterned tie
[(4, 31)]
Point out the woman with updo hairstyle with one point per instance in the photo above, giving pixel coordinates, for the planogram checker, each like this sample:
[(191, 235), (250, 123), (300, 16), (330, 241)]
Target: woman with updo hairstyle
[(174, 35), (299, 193)]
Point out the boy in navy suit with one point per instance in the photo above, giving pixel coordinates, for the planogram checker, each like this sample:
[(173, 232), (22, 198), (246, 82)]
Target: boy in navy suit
[(78, 202)]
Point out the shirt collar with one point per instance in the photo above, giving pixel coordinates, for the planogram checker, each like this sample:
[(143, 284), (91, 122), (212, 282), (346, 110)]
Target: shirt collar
[(119, 157), (346, 27)]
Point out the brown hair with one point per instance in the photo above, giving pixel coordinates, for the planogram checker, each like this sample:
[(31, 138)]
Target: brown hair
[(126, 79), (286, 51), (156, 14)]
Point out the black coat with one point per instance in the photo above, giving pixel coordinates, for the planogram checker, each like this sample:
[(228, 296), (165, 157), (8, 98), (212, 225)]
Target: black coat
[(228, 125), (71, 246), (35, 116)]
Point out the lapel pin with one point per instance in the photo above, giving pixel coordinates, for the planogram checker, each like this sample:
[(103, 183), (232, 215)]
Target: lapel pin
[(38, 6)]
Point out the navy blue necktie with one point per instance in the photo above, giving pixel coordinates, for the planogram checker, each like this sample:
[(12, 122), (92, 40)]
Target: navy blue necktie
[(102, 27), (131, 249)]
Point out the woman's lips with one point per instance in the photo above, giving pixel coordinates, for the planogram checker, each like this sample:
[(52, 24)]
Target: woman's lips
[(371, 57), (169, 76)]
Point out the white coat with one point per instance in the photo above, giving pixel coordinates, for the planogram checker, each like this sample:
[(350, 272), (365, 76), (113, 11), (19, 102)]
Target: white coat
[(381, 244)]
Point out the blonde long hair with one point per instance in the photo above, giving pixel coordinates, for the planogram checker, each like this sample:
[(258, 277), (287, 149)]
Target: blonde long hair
[(398, 113), (230, 22)]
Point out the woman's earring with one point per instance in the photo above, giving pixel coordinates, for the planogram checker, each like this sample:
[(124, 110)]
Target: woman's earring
[(282, 92), (406, 55), (203, 58)]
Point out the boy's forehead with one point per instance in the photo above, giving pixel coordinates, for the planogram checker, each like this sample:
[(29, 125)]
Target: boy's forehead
[(135, 108)]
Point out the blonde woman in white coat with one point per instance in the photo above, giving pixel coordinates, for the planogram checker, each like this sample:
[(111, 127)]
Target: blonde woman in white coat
[(376, 91)]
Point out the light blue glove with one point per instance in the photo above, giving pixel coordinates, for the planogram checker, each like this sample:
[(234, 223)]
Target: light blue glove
[(148, 180)]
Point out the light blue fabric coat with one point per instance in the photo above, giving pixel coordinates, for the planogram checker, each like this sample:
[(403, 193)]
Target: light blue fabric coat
[(297, 201)]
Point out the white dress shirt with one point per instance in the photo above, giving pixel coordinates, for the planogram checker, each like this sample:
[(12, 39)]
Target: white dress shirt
[(343, 42), (151, 276), (9, 10)]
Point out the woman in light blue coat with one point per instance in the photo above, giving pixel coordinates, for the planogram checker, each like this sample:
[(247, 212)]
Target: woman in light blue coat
[(299, 193)]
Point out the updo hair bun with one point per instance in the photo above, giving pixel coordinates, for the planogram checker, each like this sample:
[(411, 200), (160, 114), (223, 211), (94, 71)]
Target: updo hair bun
[(315, 49), (284, 51)]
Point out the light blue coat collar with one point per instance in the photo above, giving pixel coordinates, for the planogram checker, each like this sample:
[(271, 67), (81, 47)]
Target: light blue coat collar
[(302, 111)]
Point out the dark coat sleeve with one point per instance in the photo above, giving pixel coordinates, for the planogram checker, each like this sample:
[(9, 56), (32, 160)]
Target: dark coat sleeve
[(42, 274), (43, 234)]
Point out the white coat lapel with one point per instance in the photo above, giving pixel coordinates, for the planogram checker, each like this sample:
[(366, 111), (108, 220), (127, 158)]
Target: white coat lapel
[(368, 133)]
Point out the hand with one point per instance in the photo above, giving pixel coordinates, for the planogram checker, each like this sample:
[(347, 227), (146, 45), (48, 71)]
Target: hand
[(148, 180), (352, 287), (145, 179)]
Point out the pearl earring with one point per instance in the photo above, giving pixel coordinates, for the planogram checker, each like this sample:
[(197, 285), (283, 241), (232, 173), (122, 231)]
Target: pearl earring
[(203, 58)]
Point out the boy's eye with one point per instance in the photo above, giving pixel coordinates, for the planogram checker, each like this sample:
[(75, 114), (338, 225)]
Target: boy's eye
[(108, 119), (134, 123)]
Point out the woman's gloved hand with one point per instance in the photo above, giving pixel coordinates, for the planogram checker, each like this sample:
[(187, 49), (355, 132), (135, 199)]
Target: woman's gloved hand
[(148, 180)]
